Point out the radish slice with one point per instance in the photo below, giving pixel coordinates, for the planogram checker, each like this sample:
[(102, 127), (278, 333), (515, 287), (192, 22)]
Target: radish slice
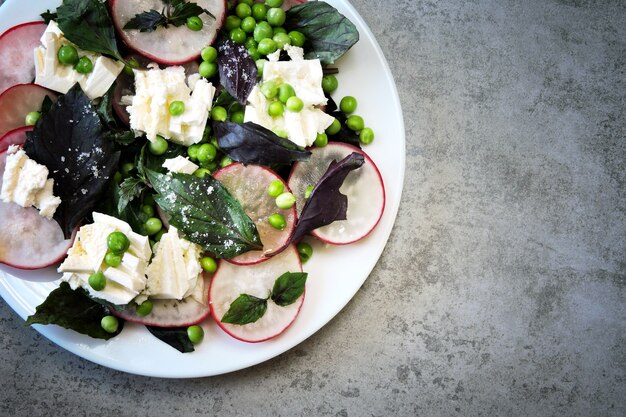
[(230, 281), (364, 188), (14, 137), (16, 53), (169, 313), (249, 186), (28, 240), (17, 102), (174, 45)]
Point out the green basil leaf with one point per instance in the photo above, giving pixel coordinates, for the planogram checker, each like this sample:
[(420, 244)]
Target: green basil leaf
[(206, 213), (130, 189), (245, 309), (74, 310), (288, 288), (176, 337), (87, 24), (329, 34), (146, 21), (47, 16)]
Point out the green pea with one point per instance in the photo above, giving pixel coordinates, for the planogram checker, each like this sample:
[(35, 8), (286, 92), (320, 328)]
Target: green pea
[(329, 83), (84, 65), (277, 221), (348, 104), (243, 10), (97, 281), (148, 210), (281, 29), (209, 54), (159, 235), (297, 38), (275, 188), (276, 16), (153, 225), (250, 43), (208, 264), (237, 117), (263, 30), (232, 22), (366, 136), (201, 173), (254, 53), (285, 200), (226, 160), (192, 152), (248, 24), (279, 131), (269, 89), (117, 177), (194, 23), (355, 123), (118, 242), (266, 46), (113, 259), (259, 10), (177, 108), (109, 324), (260, 64), (195, 334), (237, 35), (159, 146), (308, 191), (126, 168), (32, 118), (275, 109), (219, 114), (285, 91), (334, 128), (67, 55), (281, 39), (274, 3), (145, 308), (207, 69), (305, 251), (321, 140), (206, 152), (294, 104)]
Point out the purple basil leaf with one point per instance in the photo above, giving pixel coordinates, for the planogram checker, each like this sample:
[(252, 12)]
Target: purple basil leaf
[(237, 70), (250, 143), (326, 204), (70, 141)]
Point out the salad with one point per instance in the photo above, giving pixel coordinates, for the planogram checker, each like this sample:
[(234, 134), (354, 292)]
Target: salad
[(174, 156)]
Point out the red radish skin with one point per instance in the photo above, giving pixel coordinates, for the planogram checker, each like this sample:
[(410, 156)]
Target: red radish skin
[(170, 313), (28, 240), (248, 184), (229, 281), (174, 45), (364, 187), (14, 137), (16, 53), (17, 102)]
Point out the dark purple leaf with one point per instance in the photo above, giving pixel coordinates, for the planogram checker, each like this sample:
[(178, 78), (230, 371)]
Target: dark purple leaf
[(326, 204), (237, 70), (69, 140), (250, 143)]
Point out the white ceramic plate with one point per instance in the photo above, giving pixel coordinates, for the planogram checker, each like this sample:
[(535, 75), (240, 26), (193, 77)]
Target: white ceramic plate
[(335, 273)]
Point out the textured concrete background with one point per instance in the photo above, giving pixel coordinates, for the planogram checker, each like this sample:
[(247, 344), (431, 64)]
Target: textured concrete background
[(501, 291)]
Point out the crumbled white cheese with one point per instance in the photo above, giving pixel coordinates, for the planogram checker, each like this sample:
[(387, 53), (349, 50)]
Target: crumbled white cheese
[(175, 270), (181, 165), (295, 52), (50, 73), (86, 256), (26, 183), (155, 90), (305, 76)]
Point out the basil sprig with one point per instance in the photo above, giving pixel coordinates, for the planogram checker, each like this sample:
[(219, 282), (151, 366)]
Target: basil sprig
[(175, 12), (248, 309)]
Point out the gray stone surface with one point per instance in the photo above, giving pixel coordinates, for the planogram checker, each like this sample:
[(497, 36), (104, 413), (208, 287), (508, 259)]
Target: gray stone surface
[(501, 291)]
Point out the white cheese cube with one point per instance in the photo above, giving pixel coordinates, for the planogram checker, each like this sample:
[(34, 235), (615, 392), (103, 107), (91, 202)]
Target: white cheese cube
[(45, 200), (98, 82)]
